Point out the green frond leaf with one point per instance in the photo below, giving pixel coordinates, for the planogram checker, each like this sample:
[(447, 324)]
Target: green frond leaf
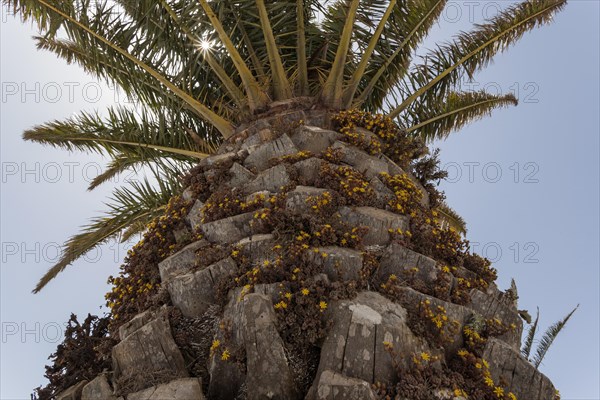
[(122, 132), (135, 228), (140, 201), (452, 113), (410, 24), (135, 162), (359, 72), (452, 218), (233, 90), (549, 337), (526, 350), (220, 123), (281, 85), (257, 99), (471, 51), (332, 89), (301, 49)]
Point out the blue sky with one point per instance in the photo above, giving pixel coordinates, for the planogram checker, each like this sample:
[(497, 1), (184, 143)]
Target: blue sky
[(525, 180)]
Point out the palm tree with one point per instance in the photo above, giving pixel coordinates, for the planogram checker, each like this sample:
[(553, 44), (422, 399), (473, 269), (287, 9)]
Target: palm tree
[(238, 86)]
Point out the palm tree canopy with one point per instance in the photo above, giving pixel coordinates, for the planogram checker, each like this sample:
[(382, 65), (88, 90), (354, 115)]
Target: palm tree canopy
[(201, 68)]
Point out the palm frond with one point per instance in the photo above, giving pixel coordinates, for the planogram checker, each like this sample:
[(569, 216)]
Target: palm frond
[(471, 51), (301, 49), (281, 85), (32, 10), (452, 218), (130, 206), (196, 44), (122, 132), (332, 89), (410, 24), (452, 113), (549, 337), (528, 344), (257, 99), (359, 72), (257, 63), (135, 162), (72, 21), (135, 228)]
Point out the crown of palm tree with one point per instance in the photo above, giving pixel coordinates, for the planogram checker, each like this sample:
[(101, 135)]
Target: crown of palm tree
[(199, 68)]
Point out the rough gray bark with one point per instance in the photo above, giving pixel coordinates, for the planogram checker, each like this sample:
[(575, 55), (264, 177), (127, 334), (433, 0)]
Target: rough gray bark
[(353, 355)]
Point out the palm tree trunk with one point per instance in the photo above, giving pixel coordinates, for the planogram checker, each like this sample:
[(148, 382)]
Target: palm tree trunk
[(312, 279)]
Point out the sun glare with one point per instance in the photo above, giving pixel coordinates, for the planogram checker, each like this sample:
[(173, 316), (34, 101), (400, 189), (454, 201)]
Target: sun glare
[(205, 45)]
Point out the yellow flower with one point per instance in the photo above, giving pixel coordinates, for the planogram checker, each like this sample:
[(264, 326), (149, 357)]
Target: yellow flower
[(489, 381), (499, 392), (281, 305), (511, 396), (305, 291), (226, 355), (288, 295), (266, 263), (322, 305), (215, 345), (425, 356)]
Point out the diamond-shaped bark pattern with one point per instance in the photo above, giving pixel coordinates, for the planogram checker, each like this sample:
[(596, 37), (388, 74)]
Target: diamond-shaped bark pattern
[(354, 346), (260, 156), (339, 263), (272, 180), (180, 389), (298, 200), (194, 293), (147, 351), (364, 163), (405, 263), (354, 352), (378, 221), (335, 386), (492, 305), (229, 230), (181, 262), (313, 139), (521, 377)]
